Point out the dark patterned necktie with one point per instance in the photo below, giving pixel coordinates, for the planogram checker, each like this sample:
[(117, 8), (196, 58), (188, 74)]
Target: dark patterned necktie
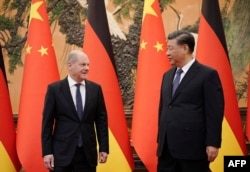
[(176, 80), (79, 108)]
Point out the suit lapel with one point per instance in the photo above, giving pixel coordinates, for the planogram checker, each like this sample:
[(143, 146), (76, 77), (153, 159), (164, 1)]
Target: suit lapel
[(193, 70), (169, 85), (66, 92), (87, 97)]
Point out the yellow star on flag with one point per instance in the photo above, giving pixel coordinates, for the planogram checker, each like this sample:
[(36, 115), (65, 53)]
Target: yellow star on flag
[(34, 14), (148, 9), (43, 51), (158, 46), (143, 45), (28, 49)]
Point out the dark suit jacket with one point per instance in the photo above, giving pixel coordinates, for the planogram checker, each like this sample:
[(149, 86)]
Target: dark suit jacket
[(192, 118), (60, 111)]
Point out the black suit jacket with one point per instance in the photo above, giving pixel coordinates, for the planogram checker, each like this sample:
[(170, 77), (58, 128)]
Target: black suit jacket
[(191, 119), (60, 113)]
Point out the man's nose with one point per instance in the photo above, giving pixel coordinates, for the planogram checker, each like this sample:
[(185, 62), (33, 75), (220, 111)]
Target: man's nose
[(167, 53)]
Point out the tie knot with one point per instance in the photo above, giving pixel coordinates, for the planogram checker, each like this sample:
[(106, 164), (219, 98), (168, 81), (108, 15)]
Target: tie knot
[(78, 85), (179, 71)]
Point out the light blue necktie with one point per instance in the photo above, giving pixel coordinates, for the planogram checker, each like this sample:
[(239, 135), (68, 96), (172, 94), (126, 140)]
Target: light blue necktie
[(176, 80)]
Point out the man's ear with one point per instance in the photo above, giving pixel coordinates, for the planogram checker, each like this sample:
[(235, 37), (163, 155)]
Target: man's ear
[(69, 65), (186, 48)]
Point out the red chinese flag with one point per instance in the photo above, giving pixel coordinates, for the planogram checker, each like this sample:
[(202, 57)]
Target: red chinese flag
[(152, 63), (9, 161), (212, 51), (97, 44), (248, 107), (40, 69)]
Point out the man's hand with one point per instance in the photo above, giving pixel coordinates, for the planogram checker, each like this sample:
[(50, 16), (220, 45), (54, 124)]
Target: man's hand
[(103, 156), (212, 153), (49, 161)]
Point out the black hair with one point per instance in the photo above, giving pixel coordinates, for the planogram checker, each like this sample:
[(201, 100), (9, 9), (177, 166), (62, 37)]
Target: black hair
[(183, 37)]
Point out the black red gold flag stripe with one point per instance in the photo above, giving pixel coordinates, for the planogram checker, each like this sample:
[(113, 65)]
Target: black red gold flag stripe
[(98, 22), (212, 51), (98, 46), (9, 160)]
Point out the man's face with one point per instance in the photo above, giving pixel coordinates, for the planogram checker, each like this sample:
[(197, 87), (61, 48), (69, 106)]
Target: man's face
[(175, 52), (79, 69)]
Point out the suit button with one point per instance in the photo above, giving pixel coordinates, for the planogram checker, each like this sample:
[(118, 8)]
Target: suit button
[(169, 107)]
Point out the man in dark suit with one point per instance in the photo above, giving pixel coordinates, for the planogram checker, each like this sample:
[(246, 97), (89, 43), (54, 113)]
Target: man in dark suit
[(190, 116), (69, 131)]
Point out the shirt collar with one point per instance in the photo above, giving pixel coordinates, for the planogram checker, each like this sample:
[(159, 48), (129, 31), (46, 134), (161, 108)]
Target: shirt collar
[(188, 65), (73, 82)]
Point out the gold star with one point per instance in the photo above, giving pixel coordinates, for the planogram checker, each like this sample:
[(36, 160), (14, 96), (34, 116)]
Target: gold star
[(148, 8), (143, 45), (28, 49), (34, 14), (158, 46), (43, 51)]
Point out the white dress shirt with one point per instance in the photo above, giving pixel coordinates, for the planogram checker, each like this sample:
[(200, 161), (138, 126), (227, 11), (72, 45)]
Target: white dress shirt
[(185, 69), (73, 87)]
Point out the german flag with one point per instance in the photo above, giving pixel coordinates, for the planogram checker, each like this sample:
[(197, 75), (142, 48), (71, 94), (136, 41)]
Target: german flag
[(9, 160), (212, 51), (98, 46), (152, 63), (40, 69)]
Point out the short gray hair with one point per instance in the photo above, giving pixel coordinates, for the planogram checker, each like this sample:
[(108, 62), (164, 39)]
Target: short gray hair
[(74, 54)]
